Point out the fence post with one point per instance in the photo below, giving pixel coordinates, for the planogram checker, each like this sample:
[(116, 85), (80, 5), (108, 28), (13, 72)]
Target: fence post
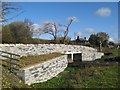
[(10, 64)]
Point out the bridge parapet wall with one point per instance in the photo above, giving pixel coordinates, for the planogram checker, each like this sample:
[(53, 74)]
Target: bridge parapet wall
[(88, 53)]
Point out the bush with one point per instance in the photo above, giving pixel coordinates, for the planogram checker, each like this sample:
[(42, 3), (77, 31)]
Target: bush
[(16, 32)]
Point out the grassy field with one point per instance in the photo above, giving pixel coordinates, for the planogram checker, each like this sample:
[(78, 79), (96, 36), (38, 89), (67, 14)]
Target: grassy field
[(72, 77), (114, 56), (95, 76), (115, 53)]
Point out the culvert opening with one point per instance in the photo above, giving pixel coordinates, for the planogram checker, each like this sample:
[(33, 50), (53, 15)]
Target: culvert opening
[(77, 57), (74, 57)]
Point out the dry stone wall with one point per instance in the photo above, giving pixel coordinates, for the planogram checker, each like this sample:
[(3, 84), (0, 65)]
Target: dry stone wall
[(43, 71), (88, 53)]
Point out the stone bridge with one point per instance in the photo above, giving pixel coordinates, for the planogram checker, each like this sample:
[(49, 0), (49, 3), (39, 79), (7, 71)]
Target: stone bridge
[(86, 53), (42, 72)]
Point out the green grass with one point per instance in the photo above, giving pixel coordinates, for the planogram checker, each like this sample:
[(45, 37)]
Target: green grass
[(104, 77), (31, 60), (57, 82), (93, 77), (10, 80), (115, 53), (72, 77)]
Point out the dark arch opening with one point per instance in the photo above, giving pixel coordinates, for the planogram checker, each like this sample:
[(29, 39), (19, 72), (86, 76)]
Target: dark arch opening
[(77, 57)]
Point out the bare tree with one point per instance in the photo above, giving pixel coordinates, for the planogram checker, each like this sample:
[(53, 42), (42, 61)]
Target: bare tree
[(5, 9), (70, 21), (51, 28)]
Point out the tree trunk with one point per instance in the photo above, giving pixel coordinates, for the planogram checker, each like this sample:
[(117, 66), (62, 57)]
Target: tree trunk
[(100, 48)]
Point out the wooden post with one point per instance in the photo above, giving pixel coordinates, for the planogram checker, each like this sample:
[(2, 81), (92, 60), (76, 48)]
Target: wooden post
[(11, 65)]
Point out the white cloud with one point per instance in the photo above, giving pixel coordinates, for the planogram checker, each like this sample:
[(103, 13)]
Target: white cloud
[(36, 29), (89, 30), (115, 40), (75, 19), (111, 39), (36, 26), (103, 12), (78, 33)]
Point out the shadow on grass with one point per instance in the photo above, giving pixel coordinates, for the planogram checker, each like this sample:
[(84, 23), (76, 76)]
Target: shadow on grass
[(99, 62)]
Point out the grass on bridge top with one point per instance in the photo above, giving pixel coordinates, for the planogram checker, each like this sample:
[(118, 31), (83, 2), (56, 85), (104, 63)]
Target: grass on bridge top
[(32, 60)]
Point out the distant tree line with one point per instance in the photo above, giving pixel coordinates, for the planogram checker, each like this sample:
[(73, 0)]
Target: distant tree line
[(100, 40), (21, 32)]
